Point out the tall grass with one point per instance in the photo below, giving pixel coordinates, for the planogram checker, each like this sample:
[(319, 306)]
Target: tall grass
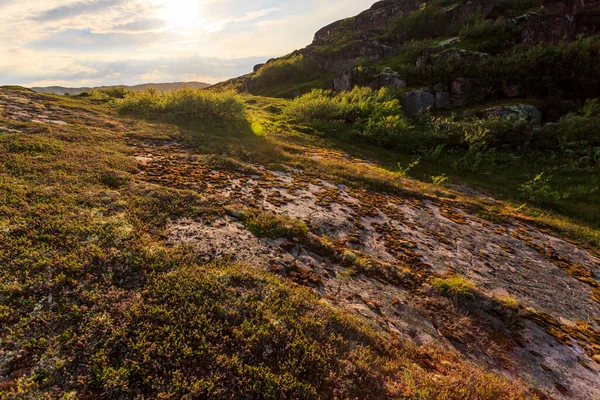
[(185, 106)]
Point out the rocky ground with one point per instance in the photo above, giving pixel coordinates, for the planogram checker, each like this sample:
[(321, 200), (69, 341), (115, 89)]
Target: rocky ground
[(376, 255), (534, 310)]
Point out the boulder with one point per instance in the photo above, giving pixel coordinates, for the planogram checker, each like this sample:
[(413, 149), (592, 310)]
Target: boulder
[(442, 100), (388, 78), (258, 66), (344, 81), (519, 111), (418, 101)]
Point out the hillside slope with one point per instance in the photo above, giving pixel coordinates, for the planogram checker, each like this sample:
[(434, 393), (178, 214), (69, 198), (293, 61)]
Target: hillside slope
[(144, 258)]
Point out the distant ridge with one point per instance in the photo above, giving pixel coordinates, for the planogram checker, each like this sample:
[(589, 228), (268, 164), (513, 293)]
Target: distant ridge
[(135, 88)]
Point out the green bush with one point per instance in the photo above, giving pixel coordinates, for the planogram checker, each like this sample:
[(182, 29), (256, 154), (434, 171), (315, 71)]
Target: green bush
[(360, 103), (373, 115), (539, 191), (290, 69), (428, 22), (489, 36), (113, 92), (185, 105), (582, 128)]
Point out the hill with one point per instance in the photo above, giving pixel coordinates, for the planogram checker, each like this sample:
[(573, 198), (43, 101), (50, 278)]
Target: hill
[(135, 88)]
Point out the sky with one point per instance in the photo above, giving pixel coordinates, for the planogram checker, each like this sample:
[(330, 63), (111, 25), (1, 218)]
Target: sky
[(113, 42)]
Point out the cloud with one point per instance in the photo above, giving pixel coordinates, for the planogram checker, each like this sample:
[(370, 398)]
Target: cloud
[(133, 71), (85, 39), (140, 26), (76, 9)]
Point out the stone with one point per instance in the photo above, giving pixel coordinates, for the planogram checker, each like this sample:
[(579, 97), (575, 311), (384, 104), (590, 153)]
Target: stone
[(389, 78), (257, 67), (519, 110), (442, 100), (418, 101), (344, 81)]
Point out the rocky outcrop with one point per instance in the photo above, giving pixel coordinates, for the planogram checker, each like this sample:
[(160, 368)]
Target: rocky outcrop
[(560, 20), (573, 7), (376, 18), (387, 78), (549, 28)]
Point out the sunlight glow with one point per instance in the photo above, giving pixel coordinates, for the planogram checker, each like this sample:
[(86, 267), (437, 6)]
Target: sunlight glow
[(183, 14)]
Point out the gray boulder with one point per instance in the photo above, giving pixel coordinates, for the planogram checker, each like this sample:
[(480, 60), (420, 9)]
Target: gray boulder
[(388, 78), (515, 111), (418, 101)]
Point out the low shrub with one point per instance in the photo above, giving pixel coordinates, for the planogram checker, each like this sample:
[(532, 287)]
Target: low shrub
[(185, 105), (290, 69), (454, 285)]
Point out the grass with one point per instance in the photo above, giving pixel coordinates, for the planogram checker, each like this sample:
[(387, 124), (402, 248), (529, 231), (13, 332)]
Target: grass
[(454, 285), (268, 225)]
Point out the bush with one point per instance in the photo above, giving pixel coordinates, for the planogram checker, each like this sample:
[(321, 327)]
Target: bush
[(539, 191), (185, 105), (373, 114), (290, 69), (428, 22), (454, 285), (491, 36), (582, 128), (114, 92)]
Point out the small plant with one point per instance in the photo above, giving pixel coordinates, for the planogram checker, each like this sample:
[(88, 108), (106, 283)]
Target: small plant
[(403, 171), (509, 302), (539, 191), (440, 180), (268, 225), (454, 285)]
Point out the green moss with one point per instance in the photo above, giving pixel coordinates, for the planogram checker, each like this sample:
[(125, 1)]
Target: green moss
[(268, 225)]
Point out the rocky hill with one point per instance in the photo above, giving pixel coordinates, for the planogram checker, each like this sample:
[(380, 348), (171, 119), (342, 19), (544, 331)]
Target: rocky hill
[(440, 54)]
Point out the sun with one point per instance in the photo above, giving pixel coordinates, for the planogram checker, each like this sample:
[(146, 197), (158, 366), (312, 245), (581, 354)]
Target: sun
[(182, 14)]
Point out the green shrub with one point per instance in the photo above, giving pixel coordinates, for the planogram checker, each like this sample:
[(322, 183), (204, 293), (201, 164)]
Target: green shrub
[(113, 92), (428, 22), (581, 128), (454, 285), (490, 36), (186, 105), (268, 225), (539, 191), (373, 115), (286, 70)]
